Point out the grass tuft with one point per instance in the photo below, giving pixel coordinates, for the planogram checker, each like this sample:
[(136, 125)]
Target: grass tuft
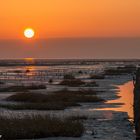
[(97, 76), (68, 76), (58, 100), (128, 69), (22, 88), (72, 82), (37, 126)]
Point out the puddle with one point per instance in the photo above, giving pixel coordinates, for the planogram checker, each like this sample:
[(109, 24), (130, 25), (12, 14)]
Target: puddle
[(125, 101)]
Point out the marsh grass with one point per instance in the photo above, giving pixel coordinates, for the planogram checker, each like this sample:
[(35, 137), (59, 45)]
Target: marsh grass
[(78, 117), (50, 81), (22, 88), (37, 126), (72, 82), (121, 70), (58, 100), (39, 106), (97, 76), (2, 83), (69, 76), (115, 72), (91, 84)]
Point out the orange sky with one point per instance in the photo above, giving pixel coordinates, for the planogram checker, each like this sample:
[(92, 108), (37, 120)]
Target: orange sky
[(70, 18)]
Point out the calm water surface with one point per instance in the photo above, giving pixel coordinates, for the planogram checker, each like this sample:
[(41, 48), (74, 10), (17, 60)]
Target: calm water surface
[(126, 98)]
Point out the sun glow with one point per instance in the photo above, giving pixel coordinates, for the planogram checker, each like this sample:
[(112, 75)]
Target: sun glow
[(29, 33)]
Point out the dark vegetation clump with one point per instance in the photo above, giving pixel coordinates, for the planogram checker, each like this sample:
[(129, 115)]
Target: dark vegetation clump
[(37, 126), (58, 100), (22, 88), (50, 81), (72, 82), (91, 84), (34, 87), (27, 71), (115, 72), (1, 83), (68, 76), (17, 71), (80, 72), (78, 118), (38, 106), (128, 69), (102, 76)]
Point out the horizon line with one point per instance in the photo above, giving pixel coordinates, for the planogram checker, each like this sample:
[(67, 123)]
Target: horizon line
[(108, 37)]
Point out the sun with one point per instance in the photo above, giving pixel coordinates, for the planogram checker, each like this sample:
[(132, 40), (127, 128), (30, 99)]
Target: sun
[(29, 33)]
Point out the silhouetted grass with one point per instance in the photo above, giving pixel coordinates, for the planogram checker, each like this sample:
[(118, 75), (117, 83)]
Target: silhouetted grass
[(78, 118), (1, 83), (37, 126), (79, 92), (97, 77), (22, 88), (68, 76), (54, 101), (72, 82), (128, 69), (39, 106), (91, 84), (50, 81)]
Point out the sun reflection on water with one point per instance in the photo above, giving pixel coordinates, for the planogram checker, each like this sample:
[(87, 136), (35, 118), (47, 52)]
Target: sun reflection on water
[(125, 101)]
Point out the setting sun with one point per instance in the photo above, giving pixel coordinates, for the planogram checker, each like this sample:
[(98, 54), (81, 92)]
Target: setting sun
[(29, 33)]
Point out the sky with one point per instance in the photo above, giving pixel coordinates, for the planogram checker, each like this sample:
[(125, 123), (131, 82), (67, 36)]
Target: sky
[(75, 19)]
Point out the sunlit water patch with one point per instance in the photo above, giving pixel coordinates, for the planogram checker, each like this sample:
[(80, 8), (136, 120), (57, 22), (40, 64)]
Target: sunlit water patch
[(125, 101)]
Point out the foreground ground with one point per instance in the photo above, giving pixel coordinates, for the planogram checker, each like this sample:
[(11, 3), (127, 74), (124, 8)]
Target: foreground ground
[(100, 124)]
